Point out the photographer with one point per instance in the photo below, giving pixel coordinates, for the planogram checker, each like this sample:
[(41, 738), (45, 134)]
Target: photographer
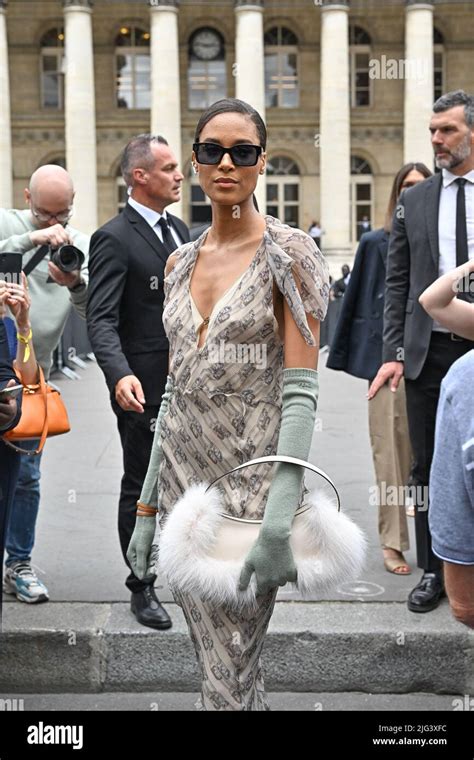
[(36, 233)]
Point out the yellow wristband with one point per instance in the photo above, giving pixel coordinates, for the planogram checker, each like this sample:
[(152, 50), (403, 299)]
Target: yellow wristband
[(26, 342)]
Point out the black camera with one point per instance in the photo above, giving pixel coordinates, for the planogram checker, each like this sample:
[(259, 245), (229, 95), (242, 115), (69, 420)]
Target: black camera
[(67, 257)]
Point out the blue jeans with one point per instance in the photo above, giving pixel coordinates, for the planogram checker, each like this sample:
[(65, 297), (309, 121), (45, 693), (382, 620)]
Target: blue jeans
[(22, 523)]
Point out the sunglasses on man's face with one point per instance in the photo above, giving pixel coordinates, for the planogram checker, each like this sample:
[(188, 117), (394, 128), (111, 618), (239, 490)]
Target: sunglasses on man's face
[(241, 155)]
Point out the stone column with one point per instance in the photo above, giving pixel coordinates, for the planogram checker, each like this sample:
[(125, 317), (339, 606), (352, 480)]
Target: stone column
[(418, 81), (165, 79), (6, 188), (335, 133), (81, 155), (250, 67)]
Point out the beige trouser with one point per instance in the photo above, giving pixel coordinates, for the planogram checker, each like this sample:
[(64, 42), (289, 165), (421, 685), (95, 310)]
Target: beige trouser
[(391, 452)]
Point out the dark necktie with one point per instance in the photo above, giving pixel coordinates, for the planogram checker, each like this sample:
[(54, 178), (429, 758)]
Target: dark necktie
[(168, 240), (462, 253)]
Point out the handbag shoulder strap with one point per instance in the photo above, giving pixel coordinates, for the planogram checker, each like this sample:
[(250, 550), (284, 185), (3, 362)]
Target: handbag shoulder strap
[(287, 460)]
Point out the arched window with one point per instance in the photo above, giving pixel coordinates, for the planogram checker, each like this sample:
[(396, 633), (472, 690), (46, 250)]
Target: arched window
[(438, 63), (206, 68), (200, 204), (52, 68), (360, 55), (283, 190), (361, 197), (56, 161), (132, 57), (281, 68)]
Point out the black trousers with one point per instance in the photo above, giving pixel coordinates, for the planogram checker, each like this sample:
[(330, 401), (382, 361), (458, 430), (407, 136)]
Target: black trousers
[(136, 434), (422, 401)]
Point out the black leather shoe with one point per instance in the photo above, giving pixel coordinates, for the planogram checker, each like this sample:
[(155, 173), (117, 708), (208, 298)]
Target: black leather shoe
[(427, 594), (147, 609)]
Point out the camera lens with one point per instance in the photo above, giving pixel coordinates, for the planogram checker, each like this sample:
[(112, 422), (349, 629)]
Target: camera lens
[(68, 258)]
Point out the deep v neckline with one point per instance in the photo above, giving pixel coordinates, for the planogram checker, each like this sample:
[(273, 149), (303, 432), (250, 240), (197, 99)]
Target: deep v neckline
[(208, 320)]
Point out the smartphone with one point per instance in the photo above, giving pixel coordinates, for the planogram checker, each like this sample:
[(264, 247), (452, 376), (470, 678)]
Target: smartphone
[(10, 267), (13, 392)]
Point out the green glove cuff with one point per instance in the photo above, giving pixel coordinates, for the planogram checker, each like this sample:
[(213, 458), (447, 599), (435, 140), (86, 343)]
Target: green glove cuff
[(298, 414), (149, 493), (271, 558)]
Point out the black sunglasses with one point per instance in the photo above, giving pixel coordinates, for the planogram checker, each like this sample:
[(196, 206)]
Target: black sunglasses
[(241, 155)]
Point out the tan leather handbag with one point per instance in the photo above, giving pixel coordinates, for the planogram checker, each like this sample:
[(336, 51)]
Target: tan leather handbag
[(202, 549), (43, 415)]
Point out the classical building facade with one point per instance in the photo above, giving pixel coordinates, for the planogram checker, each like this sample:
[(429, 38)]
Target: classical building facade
[(346, 88)]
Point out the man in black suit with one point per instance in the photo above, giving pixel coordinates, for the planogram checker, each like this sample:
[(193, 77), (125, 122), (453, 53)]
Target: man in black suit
[(432, 234), (124, 317)]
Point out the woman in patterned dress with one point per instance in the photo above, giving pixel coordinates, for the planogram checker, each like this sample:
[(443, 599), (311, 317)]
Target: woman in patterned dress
[(242, 310)]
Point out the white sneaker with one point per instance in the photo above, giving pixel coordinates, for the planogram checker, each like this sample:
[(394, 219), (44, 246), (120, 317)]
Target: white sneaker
[(20, 579)]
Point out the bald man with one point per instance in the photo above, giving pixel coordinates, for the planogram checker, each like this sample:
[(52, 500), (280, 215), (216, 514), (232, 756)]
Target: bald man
[(50, 197)]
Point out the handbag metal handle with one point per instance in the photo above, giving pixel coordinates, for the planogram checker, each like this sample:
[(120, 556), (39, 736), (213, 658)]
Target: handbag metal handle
[(288, 460)]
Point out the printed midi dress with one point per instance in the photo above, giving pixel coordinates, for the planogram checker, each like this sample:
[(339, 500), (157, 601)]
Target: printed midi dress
[(224, 410)]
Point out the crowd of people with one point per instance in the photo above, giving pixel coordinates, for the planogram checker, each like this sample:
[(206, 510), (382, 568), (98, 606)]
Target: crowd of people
[(156, 297)]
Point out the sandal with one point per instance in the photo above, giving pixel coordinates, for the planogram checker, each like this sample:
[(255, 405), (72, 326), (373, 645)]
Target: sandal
[(397, 565)]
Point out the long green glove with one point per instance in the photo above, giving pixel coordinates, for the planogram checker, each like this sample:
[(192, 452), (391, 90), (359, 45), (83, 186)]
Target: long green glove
[(271, 558), (139, 548)]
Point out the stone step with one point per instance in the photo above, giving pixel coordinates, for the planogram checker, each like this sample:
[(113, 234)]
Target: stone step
[(310, 647)]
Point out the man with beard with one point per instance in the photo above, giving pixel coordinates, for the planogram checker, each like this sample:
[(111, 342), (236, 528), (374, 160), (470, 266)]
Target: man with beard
[(433, 232)]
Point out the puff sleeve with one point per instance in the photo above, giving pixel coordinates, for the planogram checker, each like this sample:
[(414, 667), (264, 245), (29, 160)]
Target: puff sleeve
[(291, 251)]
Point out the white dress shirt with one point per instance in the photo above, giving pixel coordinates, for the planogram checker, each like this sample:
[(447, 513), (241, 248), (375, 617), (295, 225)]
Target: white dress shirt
[(447, 223), (153, 217)]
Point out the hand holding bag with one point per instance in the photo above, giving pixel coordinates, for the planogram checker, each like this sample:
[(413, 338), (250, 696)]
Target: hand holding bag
[(202, 549), (43, 415)]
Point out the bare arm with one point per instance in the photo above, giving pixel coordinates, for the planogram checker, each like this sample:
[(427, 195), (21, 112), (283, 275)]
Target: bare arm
[(18, 299), (297, 351), (440, 301)]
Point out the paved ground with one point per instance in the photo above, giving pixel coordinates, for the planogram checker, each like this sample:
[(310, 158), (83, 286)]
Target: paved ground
[(77, 550)]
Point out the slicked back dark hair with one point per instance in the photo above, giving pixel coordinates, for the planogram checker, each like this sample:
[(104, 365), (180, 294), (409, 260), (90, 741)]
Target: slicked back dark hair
[(233, 105)]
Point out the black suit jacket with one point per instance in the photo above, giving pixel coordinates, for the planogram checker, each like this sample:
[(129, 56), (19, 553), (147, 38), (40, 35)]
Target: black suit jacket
[(357, 344), (125, 300), (412, 265)]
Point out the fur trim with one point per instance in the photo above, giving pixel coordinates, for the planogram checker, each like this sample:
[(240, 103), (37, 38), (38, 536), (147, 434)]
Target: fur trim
[(190, 532)]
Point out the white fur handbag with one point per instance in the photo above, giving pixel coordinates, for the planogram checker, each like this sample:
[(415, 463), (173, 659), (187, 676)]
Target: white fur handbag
[(202, 549)]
